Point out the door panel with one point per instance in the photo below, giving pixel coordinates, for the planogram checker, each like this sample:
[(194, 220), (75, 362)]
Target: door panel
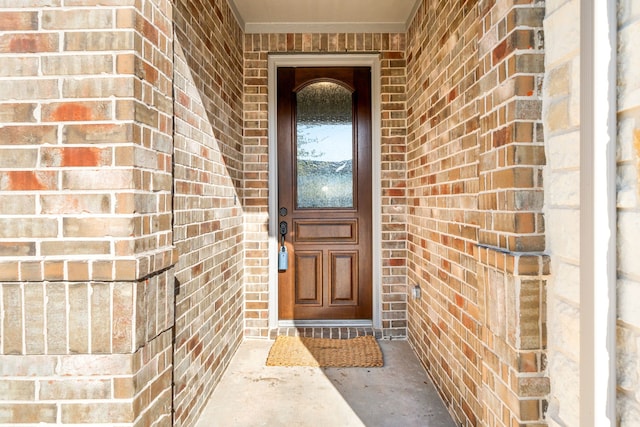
[(308, 282), (326, 230), (324, 186), (344, 278)]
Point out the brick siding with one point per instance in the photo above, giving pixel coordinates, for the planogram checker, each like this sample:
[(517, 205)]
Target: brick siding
[(562, 208), (393, 125), (208, 180), (134, 198), (474, 159), (86, 249), (628, 202)]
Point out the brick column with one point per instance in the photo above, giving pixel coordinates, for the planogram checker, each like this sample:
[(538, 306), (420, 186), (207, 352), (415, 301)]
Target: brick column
[(86, 255), (511, 262)]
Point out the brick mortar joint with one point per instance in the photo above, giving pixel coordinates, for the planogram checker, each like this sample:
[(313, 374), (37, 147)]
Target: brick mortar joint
[(513, 253), (138, 275)]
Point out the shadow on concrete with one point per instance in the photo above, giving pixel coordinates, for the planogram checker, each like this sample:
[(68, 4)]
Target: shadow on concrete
[(252, 394)]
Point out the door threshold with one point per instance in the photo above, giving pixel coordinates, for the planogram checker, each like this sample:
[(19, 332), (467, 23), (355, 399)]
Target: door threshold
[(334, 329), (325, 323)]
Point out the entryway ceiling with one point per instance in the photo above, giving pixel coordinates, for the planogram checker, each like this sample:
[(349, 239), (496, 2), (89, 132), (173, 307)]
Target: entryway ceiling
[(315, 16)]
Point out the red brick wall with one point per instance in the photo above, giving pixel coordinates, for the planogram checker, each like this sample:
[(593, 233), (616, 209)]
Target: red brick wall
[(475, 225), (208, 176), (442, 168), (86, 255), (391, 48)]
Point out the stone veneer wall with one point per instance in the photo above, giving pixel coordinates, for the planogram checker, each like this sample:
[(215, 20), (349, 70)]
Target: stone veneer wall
[(628, 328), (393, 129), (208, 224), (562, 210), (86, 255), (562, 207), (476, 234)]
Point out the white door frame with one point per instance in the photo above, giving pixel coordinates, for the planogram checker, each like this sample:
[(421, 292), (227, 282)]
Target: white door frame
[(326, 60)]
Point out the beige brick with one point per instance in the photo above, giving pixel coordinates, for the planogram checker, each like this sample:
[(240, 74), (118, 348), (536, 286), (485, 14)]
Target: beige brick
[(78, 321), (56, 317), (16, 113), (79, 19), (89, 365), (558, 81), (29, 3), (94, 87), (74, 247), (97, 180), (123, 388), (17, 390), (102, 270), (28, 43), (12, 302), (97, 133), (28, 135), (100, 318), (77, 65), (100, 3), (97, 412), (34, 322), (17, 249), (126, 63), (19, 67), (28, 227), (18, 204), (79, 203), (18, 158), (75, 389), (29, 89), (77, 271), (99, 41), (22, 413), (54, 270), (27, 366), (75, 157), (18, 21), (123, 313), (533, 386)]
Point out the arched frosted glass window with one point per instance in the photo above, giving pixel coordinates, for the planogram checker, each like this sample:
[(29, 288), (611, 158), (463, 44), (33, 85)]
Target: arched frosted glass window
[(324, 146)]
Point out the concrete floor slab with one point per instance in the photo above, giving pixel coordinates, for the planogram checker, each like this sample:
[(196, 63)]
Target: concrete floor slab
[(252, 394)]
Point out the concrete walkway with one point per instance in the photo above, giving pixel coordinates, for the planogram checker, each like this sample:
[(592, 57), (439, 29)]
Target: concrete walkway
[(252, 394)]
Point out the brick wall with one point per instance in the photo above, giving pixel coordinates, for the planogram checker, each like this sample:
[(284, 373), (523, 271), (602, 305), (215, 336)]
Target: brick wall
[(512, 265), (628, 333), (476, 232), (442, 169), (208, 224), (562, 207), (393, 128), (86, 255)]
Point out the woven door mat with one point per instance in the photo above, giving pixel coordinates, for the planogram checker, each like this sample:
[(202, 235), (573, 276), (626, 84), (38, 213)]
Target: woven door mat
[(361, 352)]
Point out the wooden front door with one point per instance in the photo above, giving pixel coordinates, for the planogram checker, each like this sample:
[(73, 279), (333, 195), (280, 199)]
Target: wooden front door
[(324, 192)]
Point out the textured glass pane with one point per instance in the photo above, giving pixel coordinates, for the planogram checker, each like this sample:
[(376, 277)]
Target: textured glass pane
[(324, 141)]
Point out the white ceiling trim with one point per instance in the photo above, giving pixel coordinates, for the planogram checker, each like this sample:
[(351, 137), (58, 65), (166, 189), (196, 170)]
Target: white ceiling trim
[(324, 16), (324, 27)]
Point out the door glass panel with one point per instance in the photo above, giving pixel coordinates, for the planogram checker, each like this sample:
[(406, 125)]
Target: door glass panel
[(324, 147)]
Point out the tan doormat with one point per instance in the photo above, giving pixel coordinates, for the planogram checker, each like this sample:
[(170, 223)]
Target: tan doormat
[(361, 352)]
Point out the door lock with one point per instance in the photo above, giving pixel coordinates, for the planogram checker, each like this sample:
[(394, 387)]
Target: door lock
[(283, 254)]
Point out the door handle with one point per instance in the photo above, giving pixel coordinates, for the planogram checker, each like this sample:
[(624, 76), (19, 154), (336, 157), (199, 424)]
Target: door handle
[(283, 228), (283, 255)]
